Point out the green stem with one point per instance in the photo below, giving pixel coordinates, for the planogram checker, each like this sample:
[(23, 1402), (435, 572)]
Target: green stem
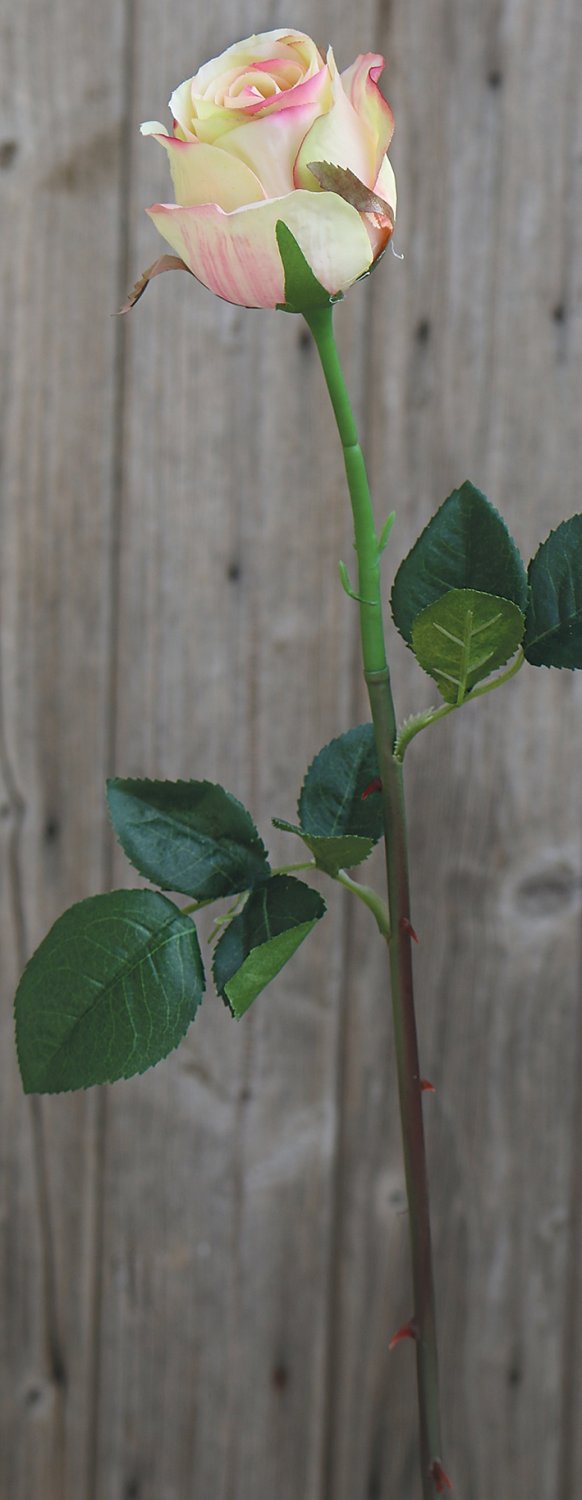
[(195, 906), (422, 721), (377, 678), (370, 898), (301, 864), (365, 894)]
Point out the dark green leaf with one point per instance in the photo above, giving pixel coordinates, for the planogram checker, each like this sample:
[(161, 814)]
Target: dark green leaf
[(260, 940), (331, 854), (111, 990), (553, 626), (303, 292), (463, 637), (189, 836), (465, 546), (331, 803)]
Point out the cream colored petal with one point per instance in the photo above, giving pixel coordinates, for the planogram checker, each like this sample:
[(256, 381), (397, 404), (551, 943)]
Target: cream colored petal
[(236, 255), (152, 127), (182, 109), (193, 102), (360, 83), (339, 137), (269, 146), (284, 43), (385, 184), (205, 174)]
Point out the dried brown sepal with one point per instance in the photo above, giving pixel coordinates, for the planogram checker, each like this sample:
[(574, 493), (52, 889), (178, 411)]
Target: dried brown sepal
[(345, 183), (163, 263)]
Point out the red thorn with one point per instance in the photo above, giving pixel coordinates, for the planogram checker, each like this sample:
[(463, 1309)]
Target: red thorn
[(426, 1087), (375, 786), (408, 1331), (406, 926), (440, 1480)]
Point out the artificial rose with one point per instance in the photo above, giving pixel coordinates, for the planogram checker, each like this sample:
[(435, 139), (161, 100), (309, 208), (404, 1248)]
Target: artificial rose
[(246, 130)]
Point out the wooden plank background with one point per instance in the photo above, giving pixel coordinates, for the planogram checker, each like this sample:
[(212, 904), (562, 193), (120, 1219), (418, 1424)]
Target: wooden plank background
[(200, 1268)]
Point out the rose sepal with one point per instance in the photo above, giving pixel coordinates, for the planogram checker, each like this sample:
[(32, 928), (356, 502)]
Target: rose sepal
[(303, 292)]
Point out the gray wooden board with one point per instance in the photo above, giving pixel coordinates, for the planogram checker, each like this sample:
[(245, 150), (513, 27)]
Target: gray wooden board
[(201, 1268), (61, 115)]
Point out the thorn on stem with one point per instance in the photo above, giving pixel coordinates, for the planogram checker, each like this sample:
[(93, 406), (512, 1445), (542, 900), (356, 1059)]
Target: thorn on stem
[(408, 1331), (440, 1480), (426, 1087), (406, 926), (375, 786)]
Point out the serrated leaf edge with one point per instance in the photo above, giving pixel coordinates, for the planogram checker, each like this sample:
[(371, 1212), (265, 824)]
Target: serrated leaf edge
[(136, 1072), (548, 634), (292, 879), (123, 781), (426, 528), (354, 730), (299, 926)]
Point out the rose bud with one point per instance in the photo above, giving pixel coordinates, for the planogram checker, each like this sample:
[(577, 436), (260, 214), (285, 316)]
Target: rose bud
[(247, 130)]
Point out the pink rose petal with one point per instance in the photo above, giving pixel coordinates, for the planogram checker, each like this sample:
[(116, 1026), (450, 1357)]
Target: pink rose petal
[(360, 83), (236, 255)]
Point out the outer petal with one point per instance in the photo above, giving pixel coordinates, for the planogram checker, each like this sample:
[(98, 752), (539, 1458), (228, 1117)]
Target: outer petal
[(181, 105), (339, 137), (205, 174), (236, 255), (269, 147), (385, 184), (378, 231), (361, 86)]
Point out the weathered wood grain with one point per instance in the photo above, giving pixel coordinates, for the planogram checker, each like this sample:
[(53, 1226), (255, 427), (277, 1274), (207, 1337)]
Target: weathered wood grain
[(60, 150), (201, 1268)]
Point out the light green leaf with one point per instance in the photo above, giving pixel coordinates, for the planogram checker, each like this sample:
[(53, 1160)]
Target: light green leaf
[(189, 836), (331, 854), (463, 637), (466, 545), (110, 991), (554, 617), (261, 939)]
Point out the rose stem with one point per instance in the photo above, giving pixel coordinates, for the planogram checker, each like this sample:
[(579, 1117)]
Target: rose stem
[(377, 679)]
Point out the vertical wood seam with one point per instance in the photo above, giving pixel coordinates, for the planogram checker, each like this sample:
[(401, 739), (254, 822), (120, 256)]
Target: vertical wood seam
[(570, 1397), (111, 710), (53, 1342)]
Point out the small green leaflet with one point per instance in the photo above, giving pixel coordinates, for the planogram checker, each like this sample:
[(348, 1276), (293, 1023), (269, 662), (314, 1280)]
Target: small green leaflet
[(110, 991), (463, 637), (303, 292), (466, 545), (331, 854), (330, 803), (189, 836), (260, 940), (553, 624)]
